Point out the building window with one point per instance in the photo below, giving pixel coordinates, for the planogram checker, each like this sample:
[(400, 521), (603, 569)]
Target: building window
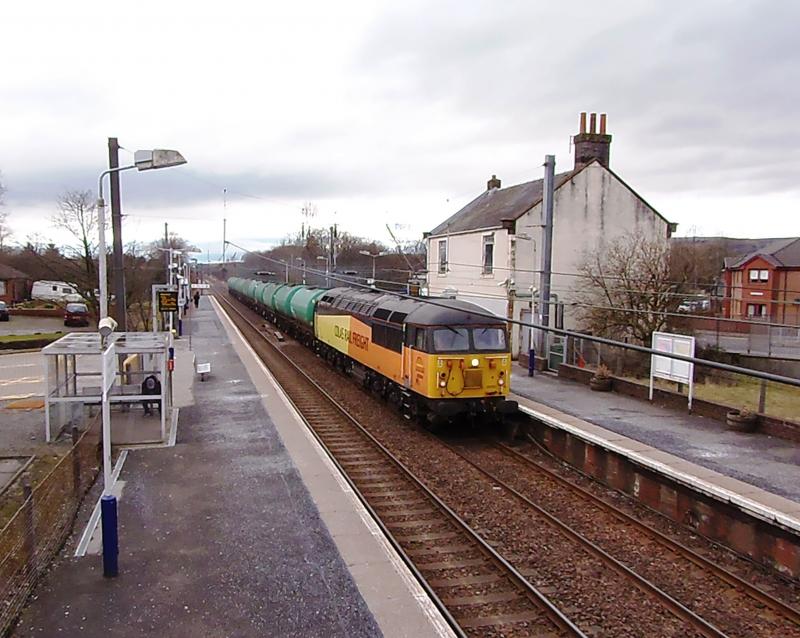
[(442, 256), (488, 254), (759, 275), (756, 310)]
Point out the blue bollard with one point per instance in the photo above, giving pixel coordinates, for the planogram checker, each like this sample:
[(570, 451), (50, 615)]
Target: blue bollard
[(531, 362), (108, 511)]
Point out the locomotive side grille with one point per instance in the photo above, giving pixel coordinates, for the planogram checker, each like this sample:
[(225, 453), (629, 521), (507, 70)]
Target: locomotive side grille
[(473, 379)]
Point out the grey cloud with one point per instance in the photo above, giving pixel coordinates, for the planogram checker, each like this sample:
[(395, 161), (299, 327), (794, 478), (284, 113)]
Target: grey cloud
[(184, 186), (709, 87)]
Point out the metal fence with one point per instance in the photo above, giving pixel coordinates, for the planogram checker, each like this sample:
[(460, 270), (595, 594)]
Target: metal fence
[(37, 530), (732, 389), (754, 339)]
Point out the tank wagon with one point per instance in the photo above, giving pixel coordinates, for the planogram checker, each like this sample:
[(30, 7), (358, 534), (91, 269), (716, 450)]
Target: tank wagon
[(435, 361)]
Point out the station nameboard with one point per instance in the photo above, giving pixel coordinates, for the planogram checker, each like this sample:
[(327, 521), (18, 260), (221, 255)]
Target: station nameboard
[(167, 301)]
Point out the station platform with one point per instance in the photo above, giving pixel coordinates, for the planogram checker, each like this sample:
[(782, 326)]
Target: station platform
[(756, 472), (241, 528)]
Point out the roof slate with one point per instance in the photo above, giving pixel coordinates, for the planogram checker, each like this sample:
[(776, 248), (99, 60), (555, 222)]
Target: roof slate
[(490, 208), (783, 253), (7, 272)]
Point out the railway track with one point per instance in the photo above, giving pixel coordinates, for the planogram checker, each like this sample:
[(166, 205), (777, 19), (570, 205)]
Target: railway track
[(476, 589), (480, 592), (758, 612)]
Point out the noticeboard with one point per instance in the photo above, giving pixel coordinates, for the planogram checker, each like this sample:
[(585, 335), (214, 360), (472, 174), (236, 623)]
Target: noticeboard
[(672, 369), (167, 301)]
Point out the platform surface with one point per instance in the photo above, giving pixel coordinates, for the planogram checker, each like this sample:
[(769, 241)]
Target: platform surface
[(219, 535), (758, 466)]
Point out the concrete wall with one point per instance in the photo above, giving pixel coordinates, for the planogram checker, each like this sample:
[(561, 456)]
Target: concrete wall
[(591, 209)]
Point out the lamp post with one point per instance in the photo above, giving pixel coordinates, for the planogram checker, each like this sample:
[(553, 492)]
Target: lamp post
[(374, 256), (143, 161), (286, 266), (327, 261)]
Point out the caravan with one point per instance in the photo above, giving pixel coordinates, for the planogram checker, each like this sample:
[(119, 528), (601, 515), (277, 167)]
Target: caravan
[(54, 291)]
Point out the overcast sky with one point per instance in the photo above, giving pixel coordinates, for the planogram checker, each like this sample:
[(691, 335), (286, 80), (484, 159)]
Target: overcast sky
[(396, 112)]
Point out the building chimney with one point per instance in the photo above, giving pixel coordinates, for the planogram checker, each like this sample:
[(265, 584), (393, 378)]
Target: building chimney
[(591, 145), (493, 183)]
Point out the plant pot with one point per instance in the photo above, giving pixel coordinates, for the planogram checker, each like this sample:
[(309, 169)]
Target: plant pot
[(737, 422), (600, 384)]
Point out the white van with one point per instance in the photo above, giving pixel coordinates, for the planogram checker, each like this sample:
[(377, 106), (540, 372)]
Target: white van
[(54, 291)]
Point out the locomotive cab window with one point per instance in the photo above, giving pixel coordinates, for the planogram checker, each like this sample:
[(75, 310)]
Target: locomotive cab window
[(489, 338), (451, 339)]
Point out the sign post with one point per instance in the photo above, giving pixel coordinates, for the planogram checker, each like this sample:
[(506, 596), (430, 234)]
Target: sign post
[(669, 368), (109, 363), (164, 299)]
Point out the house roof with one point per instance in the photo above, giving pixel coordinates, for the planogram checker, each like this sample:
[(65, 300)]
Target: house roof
[(7, 272), (782, 253), (492, 207)]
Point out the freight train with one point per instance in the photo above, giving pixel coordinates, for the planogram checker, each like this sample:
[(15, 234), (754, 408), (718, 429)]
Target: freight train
[(436, 361)]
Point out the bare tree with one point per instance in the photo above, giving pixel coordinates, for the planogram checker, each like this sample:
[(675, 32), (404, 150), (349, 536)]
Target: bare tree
[(76, 215), (5, 229), (625, 288)]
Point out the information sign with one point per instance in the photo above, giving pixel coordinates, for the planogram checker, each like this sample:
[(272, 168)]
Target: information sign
[(109, 368), (201, 286), (669, 368), (167, 301)]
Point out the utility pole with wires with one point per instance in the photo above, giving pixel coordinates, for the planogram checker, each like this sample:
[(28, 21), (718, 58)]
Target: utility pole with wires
[(547, 254), (117, 261), (224, 223)]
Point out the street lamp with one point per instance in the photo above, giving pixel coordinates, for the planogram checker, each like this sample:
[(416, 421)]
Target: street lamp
[(143, 161), (286, 264), (374, 256), (327, 261)]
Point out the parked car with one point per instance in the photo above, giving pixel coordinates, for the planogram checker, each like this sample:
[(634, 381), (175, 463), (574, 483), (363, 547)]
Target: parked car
[(76, 314), (3, 311)]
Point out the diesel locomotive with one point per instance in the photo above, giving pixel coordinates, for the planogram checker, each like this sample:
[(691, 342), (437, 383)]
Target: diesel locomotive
[(437, 362)]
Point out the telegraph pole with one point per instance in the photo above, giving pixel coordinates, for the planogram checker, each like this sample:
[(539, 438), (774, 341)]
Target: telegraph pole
[(117, 264), (224, 223), (547, 251)]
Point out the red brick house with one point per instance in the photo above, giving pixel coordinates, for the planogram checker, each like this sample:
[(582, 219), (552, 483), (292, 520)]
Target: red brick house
[(765, 284), (15, 286)]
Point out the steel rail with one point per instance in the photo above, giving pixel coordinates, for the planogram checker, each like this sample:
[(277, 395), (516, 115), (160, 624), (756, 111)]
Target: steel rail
[(674, 546), (674, 606), (555, 616)]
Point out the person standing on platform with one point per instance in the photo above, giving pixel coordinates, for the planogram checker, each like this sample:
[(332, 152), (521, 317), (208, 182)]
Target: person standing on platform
[(196, 298)]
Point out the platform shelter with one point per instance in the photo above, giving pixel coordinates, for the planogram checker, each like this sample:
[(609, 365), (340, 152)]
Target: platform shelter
[(73, 379)]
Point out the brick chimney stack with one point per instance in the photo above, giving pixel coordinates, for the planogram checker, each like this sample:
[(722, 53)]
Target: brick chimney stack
[(592, 145), (493, 183)]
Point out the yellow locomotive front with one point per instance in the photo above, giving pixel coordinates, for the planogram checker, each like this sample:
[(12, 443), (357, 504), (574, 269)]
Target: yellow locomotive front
[(459, 370)]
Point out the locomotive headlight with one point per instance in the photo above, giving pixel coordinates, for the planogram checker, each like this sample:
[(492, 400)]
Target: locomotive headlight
[(442, 383), (501, 381), (475, 363)]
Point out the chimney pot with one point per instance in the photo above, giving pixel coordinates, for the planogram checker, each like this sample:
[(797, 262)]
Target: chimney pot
[(591, 145), (493, 183)]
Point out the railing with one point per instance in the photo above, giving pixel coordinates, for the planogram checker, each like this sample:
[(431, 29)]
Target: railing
[(37, 530)]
